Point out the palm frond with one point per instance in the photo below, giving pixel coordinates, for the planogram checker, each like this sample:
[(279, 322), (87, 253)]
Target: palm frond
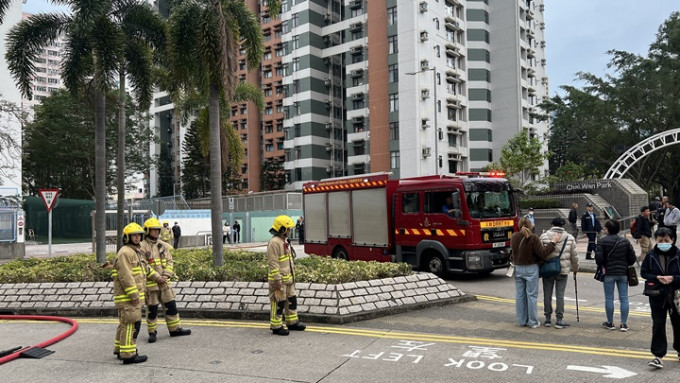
[(213, 49), (77, 61), (107, 44), (139, 64), (4, 7), (183, 42), (90, 11), (24, 42), (249, 31), (274, 7), (139, 20), (232, 146), (249, 92)]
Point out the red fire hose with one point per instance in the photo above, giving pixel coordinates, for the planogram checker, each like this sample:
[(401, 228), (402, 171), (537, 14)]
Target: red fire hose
[(16, 354)]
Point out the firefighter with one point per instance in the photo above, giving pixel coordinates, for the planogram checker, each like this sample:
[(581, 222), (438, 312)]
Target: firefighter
[(157, 254), (282, 278), (166, 233), (130, 273)]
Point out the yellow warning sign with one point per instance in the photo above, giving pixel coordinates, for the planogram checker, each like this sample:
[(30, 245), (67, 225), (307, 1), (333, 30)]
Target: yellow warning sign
[(504, 223)]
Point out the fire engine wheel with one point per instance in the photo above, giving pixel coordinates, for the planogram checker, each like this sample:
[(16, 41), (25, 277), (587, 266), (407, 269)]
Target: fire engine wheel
[(341, 253), (434, 263)]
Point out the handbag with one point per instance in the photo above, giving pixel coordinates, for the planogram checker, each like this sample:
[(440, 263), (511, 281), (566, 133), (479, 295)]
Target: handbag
[(652, 289), (552, 266), (632, 276), (510, 272), (600, 271)]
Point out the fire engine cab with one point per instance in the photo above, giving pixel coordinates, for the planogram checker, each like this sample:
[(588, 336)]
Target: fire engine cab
[(446, 223)]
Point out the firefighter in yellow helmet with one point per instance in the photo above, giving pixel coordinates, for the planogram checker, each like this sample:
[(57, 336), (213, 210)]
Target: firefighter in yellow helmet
[(157, 254), (130, 273), (166, 233), (282, 278)]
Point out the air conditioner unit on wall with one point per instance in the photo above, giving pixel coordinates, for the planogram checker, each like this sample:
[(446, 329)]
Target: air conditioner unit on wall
[(424, 64), (423, 36), (425, 94), (427, 152), (423, 6)]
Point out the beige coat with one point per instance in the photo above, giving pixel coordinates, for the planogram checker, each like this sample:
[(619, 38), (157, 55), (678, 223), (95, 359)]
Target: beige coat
[(569, 259), (280, 261)]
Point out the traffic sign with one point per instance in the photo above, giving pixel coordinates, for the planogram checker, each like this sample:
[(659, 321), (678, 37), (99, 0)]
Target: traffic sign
[(49, 197)]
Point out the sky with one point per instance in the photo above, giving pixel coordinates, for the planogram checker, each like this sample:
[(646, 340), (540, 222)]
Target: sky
[(578, 32)]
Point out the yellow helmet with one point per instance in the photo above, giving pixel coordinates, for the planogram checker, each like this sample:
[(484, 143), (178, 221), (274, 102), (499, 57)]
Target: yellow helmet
[(165, 222), (281, 223), (131, 228), (151, 223)]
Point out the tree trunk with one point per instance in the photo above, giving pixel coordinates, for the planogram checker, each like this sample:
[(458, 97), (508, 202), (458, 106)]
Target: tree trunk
[(100, 174), (215, 176), (120, 169)]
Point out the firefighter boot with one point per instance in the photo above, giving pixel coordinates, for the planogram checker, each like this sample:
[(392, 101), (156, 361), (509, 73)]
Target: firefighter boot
[(135, 359), (180, 332), (297, 327), (280, 331), (152, 337)]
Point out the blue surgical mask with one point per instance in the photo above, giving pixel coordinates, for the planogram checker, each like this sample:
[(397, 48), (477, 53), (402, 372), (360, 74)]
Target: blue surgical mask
[(664, 246)]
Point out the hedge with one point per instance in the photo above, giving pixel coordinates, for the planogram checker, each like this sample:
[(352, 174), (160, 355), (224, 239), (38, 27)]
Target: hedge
[(196, 265), (539, 203)]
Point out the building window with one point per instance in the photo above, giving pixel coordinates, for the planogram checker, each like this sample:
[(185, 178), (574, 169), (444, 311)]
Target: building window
[(267, 74), (436, 24), (394, 130), (298, 153), (269, 147), (394, 72), (279, 126), (294, 19), (437, 51), (295, 43), (392, 16), (394, 160), (268, 92), (392, 44), (279, 71), (296, 64), (296, 86), (394, 102), (267, 56), (357, 104)]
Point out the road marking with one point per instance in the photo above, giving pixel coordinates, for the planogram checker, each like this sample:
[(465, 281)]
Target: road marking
[(422, 337), (598, 310), (607, 371)]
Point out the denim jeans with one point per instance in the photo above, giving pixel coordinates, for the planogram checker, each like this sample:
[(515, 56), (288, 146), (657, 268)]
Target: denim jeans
[(621, 282), (560, 283), (526, 295)]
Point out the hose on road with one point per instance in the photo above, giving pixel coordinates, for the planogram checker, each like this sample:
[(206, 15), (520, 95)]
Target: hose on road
[(64, 335)]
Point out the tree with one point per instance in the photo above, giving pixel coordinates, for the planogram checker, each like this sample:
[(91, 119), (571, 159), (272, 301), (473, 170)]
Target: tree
[(521, 157), (272, 176), (195, 166), (58, 147), (11, 116), (93, 53), (204, 41)]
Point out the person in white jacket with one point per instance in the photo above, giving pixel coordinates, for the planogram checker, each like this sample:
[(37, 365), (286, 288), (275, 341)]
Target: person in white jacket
[(671, 220), (568, 262)]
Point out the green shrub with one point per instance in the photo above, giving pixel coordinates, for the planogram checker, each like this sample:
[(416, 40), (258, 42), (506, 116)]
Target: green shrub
[(196, 265), (539, 203)]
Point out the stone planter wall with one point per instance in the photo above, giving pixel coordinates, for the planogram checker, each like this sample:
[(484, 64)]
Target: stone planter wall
[(331, 303)]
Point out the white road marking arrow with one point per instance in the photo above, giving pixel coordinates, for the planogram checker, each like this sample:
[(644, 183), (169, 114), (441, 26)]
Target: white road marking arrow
[(607, 371)]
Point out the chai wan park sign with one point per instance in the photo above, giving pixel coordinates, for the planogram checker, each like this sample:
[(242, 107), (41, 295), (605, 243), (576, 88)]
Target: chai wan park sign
[(583, 185)]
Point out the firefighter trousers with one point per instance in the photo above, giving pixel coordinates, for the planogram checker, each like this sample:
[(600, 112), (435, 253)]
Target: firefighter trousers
[(129, 324), (169, 307), (284, 304)]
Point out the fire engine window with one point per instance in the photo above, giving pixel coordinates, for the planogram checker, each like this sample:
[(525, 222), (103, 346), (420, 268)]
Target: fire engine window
[(410, 203), (442, 202), (489, 204)]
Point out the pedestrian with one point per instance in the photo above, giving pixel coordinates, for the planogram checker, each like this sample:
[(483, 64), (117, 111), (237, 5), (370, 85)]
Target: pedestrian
[(590, 226), (166, 233), (530, 216), (237, 232), (643, 232), (176, 233), (662, 269), (157, 254), (300, 229), (226, 233), (130, 274), (615, 254), (654, 205), (281, 278), (566, 250), (661, 212), (527, 253), (573, 217), (671, 220)]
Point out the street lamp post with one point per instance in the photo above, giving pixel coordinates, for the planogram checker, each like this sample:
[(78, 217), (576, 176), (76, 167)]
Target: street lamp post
[(436, 132)]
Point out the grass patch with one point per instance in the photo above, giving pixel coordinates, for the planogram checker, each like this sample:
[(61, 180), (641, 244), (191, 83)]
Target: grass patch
[(196, 265)]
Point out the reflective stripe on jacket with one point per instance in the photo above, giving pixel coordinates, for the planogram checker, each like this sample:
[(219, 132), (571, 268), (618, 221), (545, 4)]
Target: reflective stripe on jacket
[(279, 260), (157, 254)]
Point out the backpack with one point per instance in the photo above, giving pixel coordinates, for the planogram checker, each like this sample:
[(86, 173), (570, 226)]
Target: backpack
[(633, 229)]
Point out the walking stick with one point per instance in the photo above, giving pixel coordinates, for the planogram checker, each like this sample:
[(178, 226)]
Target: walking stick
[(576, 293)]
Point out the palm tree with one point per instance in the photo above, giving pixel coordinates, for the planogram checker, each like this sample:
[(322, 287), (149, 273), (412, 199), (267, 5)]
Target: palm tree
[(203, 51), (94, 52)]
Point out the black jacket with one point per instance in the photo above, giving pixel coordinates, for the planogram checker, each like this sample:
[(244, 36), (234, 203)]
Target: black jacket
[(643, 226), (176, 231), (615, 260), (587, 224), (573, 215), (651, 268)]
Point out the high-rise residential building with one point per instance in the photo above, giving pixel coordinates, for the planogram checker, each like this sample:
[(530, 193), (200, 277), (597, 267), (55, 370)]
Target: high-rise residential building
[(507, 75), (47, 77)]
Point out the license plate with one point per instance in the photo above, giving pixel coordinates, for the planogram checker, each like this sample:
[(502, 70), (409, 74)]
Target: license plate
[(499, 244)]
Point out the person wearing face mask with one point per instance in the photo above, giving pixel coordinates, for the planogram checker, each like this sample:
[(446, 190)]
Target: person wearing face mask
[(662, 268), (531, 218)]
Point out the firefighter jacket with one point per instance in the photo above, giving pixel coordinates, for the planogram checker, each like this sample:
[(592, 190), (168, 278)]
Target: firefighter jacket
[(166, 234), (280, 261), (130, 272), (157, 254)]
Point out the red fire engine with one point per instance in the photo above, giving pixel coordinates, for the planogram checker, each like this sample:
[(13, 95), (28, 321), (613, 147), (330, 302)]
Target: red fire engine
[(460, 223)]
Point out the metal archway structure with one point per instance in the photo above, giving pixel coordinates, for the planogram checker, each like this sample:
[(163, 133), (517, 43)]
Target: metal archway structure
[(640, 150)]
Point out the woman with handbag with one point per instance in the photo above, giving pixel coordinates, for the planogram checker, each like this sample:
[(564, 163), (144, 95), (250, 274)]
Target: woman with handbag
[(527, 253), (661, 271), (567, 257), (614, 255)]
